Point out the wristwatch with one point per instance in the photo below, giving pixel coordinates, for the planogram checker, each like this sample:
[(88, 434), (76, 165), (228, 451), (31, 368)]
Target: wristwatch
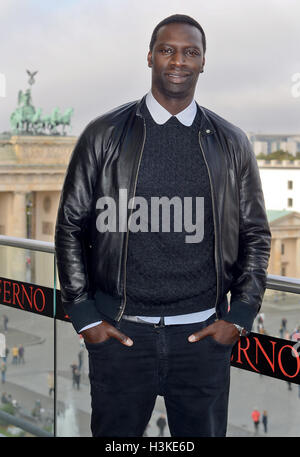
[(242, 331)]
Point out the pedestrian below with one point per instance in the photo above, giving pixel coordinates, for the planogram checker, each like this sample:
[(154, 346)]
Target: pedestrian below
[(4, 358), (4, 398), (295, 336), (74, 368), (5, 323), (6, 353), (255, 417), (15, 355), (80, 358), (3, 371), (260, 322), (161, 423), (36, 412), (21, 354), (51, 382), (265, 421), (77, 375), (81, 341), (283, 323), (16, 406), (281, 332)]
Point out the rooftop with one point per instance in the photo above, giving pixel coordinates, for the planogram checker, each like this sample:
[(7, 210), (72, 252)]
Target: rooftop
[(274, 214)]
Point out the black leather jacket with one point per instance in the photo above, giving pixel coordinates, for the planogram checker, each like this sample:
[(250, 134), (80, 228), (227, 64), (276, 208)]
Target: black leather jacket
[(92, 265)]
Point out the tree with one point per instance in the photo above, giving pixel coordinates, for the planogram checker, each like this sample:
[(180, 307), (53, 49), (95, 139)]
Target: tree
[(277, 155)]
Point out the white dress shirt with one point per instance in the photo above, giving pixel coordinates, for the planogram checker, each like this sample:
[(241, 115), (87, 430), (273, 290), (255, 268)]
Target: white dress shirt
[(160, 115)]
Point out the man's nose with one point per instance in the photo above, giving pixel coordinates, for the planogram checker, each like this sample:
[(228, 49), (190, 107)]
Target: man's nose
[(178, 59)]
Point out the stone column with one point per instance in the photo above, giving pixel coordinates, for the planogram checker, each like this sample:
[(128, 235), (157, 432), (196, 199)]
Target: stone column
[(277, 256), (297, 266), (16, 256), (19, 215)]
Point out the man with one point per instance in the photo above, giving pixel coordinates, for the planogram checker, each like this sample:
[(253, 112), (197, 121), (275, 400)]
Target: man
[(255, 417), (161, 423), (151, 306)]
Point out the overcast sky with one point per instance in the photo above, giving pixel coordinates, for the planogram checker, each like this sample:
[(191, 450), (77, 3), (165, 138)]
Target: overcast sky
[(91, 55)]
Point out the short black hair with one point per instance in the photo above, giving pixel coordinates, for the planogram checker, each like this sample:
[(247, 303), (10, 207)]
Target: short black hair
[(179, 19)]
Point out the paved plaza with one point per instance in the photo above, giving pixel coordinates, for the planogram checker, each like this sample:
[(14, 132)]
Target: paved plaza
[(28, 382)]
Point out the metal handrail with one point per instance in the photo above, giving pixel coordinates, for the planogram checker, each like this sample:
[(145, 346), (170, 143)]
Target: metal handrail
[(27, 243), (24, 425), (282, 283)]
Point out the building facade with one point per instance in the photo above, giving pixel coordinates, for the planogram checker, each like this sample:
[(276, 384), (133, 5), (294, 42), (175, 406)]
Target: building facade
[(32, 170), (268, 143), (281, 184), (285, 244)]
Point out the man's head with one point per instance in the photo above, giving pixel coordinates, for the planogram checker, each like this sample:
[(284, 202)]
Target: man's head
[(176, 56), (177, 19)]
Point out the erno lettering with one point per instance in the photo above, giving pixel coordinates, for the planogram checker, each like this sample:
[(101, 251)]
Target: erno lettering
[(24, 296), (267, 355)]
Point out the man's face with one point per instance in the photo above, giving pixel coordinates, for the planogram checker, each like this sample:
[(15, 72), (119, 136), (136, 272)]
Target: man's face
[(176, 60)]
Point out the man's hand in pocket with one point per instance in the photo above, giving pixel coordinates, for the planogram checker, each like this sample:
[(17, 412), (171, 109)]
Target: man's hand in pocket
[(104, 331)]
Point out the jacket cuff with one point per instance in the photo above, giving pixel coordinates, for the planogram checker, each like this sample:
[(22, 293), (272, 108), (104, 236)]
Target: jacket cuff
[(241, 313), (82, 313)]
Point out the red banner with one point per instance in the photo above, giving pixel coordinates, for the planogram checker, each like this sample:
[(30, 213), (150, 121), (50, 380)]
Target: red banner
[(269, 356), (32, 298)]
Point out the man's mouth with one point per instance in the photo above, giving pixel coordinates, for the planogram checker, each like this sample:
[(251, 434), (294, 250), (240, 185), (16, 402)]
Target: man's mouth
[(177, 77)]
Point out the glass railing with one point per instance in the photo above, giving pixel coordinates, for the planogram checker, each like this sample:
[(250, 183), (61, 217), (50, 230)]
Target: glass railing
[(28, 362), (273, 385), (44, 372)]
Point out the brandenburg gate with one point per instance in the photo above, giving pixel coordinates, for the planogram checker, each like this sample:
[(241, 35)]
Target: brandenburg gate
[(33, 162)]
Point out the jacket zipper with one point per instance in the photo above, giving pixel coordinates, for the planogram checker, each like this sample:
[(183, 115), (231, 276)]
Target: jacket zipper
[(119, 317), (214, 218)]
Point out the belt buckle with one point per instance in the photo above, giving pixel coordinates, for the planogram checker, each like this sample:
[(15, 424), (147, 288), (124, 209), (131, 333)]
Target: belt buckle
[(161, 323)]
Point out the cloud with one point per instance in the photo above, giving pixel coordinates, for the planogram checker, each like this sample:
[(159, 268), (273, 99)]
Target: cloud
[(91, 55)]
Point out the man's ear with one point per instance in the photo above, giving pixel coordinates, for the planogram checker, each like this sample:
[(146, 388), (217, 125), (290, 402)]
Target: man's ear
[(203, 64), (149, 59)]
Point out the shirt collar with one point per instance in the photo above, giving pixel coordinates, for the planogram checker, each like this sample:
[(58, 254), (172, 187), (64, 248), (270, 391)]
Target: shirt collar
[(160, 115)]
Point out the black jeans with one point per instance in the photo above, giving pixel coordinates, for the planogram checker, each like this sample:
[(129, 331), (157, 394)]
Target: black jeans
[(193, 378)]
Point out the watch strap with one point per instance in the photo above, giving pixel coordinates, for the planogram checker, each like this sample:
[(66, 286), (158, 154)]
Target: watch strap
[(242, 331)]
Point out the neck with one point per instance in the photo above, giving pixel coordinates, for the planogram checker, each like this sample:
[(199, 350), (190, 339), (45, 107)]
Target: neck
[(173, 105)]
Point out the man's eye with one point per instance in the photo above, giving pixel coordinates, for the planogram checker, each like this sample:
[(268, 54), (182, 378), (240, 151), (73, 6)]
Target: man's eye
[(192, 52), (166, 51)]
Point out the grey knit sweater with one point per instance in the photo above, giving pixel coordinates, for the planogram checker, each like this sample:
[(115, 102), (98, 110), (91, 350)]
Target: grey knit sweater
[(165, 275)]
